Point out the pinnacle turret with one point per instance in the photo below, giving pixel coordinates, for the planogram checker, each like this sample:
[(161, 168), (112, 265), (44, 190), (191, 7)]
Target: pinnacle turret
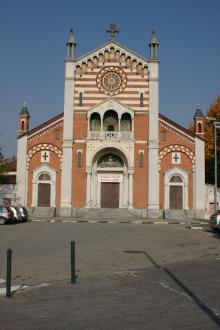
[(153, 44), (71, 44)]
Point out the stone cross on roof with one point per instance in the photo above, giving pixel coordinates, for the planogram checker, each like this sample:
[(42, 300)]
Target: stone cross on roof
[(112, 30)]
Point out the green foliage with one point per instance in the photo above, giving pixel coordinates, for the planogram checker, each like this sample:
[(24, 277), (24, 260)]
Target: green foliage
[(3, 165), (214, 112)]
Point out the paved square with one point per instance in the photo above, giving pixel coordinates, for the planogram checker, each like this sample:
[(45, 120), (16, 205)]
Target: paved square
[(130, 277)]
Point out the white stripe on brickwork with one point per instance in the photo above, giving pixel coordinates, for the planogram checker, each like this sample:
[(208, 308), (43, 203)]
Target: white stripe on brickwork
[(89, 89)]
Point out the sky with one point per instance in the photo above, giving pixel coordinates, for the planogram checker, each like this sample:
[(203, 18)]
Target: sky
[(33, 38)]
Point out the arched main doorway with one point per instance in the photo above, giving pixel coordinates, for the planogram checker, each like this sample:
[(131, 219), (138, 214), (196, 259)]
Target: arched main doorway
[(109, 184)]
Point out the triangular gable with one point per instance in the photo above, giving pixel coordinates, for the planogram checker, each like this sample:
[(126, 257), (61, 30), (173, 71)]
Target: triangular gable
[(111, 104), (49, 124), (177, 128)]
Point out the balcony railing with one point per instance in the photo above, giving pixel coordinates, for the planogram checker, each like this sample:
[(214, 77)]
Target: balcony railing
[(110, 135)]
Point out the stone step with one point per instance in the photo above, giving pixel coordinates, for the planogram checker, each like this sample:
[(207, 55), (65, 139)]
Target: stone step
[(108, 214), (178, 214), (42, 211)]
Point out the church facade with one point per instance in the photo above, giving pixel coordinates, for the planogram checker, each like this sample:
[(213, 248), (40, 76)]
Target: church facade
[(111, 148)]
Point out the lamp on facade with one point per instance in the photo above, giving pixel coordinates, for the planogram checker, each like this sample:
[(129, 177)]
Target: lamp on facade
[(216, 126)]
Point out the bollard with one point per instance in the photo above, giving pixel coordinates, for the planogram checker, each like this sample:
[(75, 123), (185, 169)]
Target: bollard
[(8, 274), (73, 270)]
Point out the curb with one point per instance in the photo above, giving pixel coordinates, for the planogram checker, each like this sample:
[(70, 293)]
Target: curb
[(111, 221)]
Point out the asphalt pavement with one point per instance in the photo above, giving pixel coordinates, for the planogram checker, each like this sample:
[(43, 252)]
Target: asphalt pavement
[(129, 277)]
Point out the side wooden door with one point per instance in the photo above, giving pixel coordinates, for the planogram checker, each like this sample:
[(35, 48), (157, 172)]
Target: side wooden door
[(176, 197), (43, 195)]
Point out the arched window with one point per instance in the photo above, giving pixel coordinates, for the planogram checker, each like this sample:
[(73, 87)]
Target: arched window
[(141, 99), (110, 121), (199, 128), (79, 158), (22, 125), (95, 122), (126, 122), (80, 99), (44, 177), (176, 179)]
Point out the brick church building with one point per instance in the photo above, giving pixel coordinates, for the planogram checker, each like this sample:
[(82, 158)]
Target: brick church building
[(111, 148)]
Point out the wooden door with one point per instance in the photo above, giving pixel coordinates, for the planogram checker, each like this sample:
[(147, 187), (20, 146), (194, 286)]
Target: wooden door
[(109, 195), (43, 194), (176, 197)]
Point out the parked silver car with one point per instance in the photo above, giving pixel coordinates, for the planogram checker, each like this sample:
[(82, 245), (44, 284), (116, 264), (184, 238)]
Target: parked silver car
[(6, 215), (24, 213), (214, 221)]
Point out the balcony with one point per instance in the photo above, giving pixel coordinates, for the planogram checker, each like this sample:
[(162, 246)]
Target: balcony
[(110, 135)]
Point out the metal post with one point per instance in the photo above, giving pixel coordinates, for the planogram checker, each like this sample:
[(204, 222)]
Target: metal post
[(72, 260), (217, 125), (8, 273), (215, 187)]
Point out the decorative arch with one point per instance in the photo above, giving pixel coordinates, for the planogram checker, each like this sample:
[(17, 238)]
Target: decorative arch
[(112, 164), (44, 146), (180, 148), (101, 150), (110, 150), (110, 104)]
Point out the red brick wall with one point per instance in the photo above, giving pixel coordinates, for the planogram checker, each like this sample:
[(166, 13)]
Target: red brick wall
[(171, 138), (186, 165), (79, 177), (47, 137), (140, 184), (36, 162), (80, 126), (141, 127)]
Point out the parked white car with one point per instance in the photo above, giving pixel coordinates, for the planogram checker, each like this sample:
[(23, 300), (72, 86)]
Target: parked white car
[(214, 221)]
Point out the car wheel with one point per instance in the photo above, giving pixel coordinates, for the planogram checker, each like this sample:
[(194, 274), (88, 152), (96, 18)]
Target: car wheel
[(2, 221)]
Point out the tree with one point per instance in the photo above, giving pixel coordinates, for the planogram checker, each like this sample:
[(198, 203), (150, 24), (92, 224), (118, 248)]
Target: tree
[(214, 112), (3, 165)]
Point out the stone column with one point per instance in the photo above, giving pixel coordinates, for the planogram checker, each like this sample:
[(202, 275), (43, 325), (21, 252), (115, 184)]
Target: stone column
[(200, 178), (101, 123), (153, 199), (88, 188), (66, 176), (88, 126), (22, 176), (132, 126), (119, 123), (130, 189)]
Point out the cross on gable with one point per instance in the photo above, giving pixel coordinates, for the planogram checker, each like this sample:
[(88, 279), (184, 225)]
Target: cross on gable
[(176, 159), (112, 30), (45, 156)]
